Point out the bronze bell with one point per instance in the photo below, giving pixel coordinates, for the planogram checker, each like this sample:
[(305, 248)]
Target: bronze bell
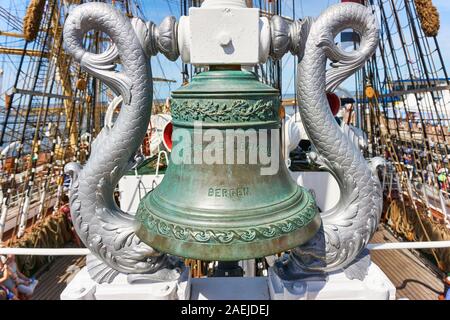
[(226, 209)]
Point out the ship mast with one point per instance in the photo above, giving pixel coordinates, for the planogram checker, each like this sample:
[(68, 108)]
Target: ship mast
[(49, 109), (402, 101)]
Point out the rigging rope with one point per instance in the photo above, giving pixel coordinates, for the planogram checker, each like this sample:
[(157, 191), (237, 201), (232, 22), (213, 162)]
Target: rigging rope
[(18, 134), (409, 230), (414, 58)]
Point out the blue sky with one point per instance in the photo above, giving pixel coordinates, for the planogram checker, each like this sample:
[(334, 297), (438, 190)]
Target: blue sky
[(156, 10), (443, 7)]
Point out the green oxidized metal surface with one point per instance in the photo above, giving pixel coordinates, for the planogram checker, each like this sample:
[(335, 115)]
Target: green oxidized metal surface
[(226, 211)]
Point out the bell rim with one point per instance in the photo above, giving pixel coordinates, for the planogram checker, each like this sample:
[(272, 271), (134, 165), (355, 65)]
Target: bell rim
[(231, 251), (281, 230)]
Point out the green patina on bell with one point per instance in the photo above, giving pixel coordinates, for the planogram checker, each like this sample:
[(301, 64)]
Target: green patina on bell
[(226, 211)]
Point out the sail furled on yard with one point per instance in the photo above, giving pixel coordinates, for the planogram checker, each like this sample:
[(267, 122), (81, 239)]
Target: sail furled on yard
[(428, 16), (32, 19)]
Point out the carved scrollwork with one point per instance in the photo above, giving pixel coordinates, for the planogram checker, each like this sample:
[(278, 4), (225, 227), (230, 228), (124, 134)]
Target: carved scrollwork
[(226, 111), (210, 235)]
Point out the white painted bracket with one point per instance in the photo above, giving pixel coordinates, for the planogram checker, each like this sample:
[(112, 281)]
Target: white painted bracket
[(336, 286), (224, 33), (82, 287)]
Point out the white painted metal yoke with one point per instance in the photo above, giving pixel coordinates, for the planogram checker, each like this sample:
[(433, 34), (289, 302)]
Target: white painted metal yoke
[(224, 32)]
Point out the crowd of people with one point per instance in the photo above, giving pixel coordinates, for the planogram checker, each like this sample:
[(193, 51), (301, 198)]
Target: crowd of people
[(434, 170), (425, 168)]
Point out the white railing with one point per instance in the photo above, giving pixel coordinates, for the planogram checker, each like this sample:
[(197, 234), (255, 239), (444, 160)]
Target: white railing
[(408, 245), (83, 251), (45, 252)]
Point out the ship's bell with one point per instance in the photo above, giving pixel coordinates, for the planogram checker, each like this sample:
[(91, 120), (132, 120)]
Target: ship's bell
[(226, 210)]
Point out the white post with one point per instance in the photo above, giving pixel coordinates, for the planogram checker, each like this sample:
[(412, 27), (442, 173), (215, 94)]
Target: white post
[(42, 201), (410, 192), (425, 196), (4, 213), (59, 192), (24, 215)]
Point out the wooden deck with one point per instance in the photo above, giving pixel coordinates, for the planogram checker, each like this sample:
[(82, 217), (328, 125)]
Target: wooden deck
[(412, 278), (53, 282)]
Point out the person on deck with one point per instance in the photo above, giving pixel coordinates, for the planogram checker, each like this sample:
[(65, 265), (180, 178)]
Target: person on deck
[(25, 286), (442, 179), (7, 280), (6, 294), (446, 294)]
